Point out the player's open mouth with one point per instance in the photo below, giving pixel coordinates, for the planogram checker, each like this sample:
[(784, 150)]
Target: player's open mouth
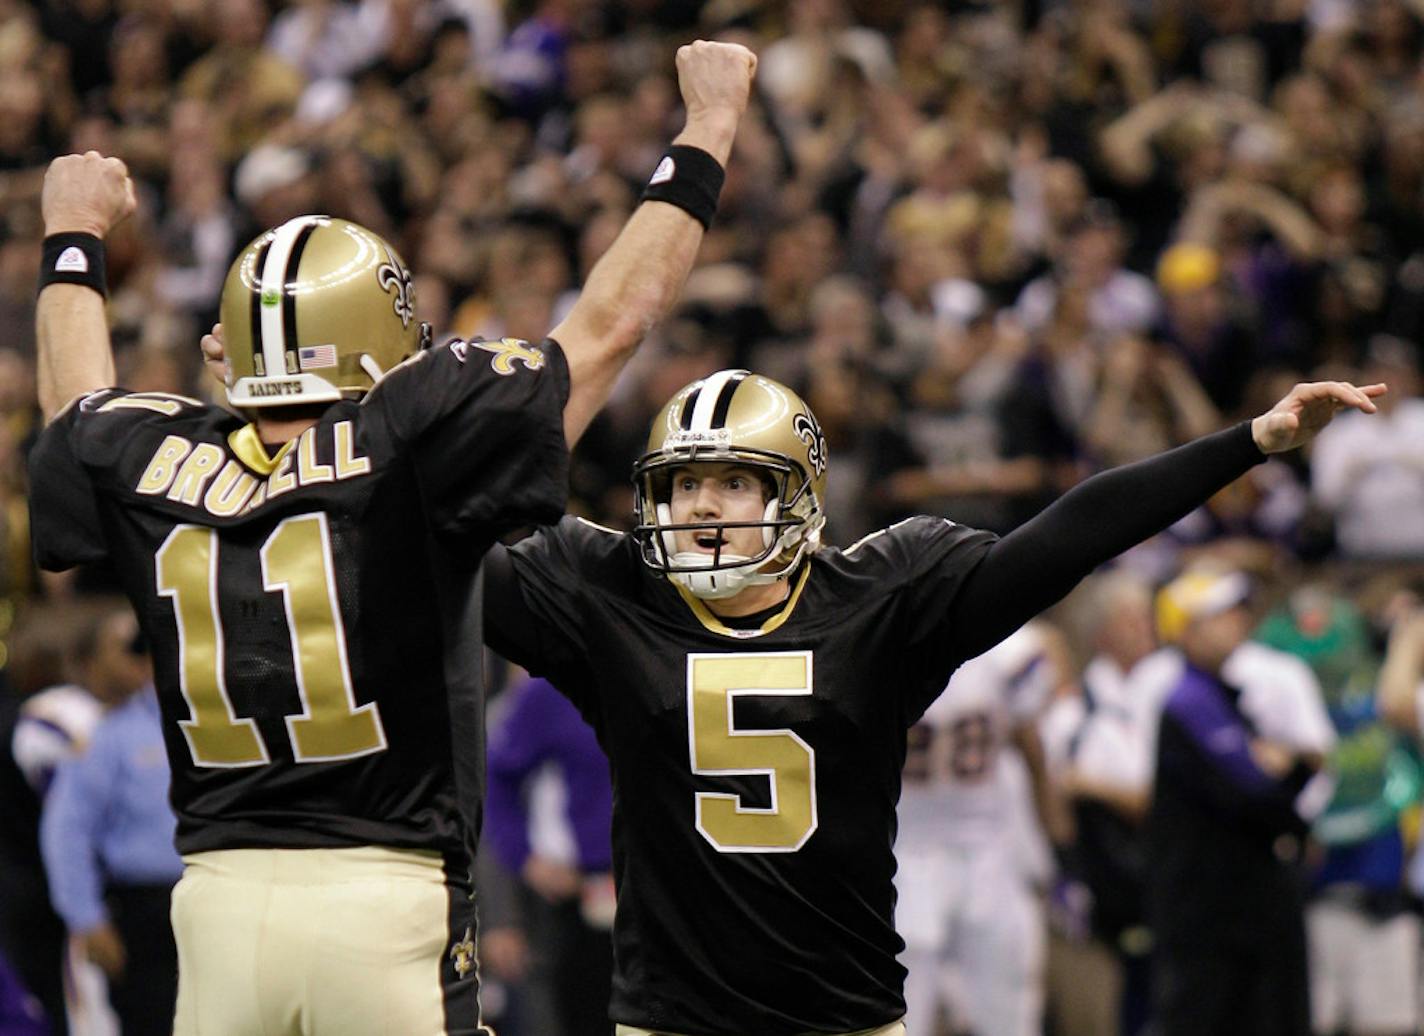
[(710, 541)]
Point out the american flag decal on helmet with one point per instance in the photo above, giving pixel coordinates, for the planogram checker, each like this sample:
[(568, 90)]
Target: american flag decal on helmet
[(311, 357)]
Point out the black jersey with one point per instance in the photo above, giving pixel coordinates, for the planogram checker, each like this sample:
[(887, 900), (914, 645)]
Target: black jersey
[(755, 772), (294, 603)]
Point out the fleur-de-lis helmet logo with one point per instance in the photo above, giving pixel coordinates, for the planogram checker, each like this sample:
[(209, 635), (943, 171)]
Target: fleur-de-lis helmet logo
[(808, 430), (393, 275)]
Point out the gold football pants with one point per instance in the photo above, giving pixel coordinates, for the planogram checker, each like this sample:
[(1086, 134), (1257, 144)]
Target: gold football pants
[(310, 942)]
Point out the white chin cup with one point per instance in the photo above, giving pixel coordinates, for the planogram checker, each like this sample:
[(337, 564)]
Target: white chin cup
[(711, 584)]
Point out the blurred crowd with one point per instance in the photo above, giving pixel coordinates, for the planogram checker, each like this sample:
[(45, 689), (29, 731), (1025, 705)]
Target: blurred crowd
[(996, 245)]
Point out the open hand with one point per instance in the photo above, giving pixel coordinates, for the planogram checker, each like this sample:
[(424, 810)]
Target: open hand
[(1306, 409), (87, 194)]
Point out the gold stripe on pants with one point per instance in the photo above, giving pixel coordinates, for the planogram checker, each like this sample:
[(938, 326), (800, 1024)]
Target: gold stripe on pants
[(893, 1029)]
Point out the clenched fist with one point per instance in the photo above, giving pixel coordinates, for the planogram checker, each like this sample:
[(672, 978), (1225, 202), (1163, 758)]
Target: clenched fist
[(715, 78), (86, 193)]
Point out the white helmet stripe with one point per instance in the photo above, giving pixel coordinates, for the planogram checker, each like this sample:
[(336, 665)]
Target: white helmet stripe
[(711, 393), (274, 277)]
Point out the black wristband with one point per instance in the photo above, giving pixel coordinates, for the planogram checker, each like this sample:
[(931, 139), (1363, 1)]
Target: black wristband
[(74, 258), (689, 178)]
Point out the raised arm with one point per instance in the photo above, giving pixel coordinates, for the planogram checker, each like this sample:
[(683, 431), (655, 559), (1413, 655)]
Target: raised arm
[(1403, 673), (1211, 206), (639, 277), (1038, 563), (84, 197), (1126, 142)]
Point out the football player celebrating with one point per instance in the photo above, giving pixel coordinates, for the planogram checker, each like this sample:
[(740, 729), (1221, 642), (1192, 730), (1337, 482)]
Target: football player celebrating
[(303, 573), (752, 688)]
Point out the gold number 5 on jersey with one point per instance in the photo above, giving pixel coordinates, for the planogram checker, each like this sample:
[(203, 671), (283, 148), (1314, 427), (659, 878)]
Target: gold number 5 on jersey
[(719, 749), (296, 560)]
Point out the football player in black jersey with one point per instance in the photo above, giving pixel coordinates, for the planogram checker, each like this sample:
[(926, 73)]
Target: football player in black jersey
[(303, 573), (752, 688)]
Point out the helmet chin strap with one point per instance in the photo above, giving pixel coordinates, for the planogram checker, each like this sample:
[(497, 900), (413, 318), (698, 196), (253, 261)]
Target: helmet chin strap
[(371, 367), (663, 541)]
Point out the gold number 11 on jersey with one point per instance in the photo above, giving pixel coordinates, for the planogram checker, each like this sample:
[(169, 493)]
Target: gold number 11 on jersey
[(296, 561)]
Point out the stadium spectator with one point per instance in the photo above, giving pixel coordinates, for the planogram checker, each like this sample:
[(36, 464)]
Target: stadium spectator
[(32, 937), (106, 833), (248, 88), (1370, 476), (549, 810), (1118, 300), (1225, 894), (1363, 936), (1204, 325), (1401, 688), (1100, 744), (55, 725), (327, 40), (1401, 682), (1147, 400), (20, 1013)]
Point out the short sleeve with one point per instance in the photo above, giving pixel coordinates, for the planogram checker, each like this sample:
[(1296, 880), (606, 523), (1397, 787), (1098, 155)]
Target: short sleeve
[(938, 555), (74, 459), (483, 424), (928, 560)]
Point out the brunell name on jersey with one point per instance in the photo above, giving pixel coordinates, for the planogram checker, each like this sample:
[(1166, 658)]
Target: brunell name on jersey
[(205, 475)]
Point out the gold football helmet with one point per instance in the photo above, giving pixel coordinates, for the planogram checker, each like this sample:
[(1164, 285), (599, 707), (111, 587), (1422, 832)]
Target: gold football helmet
[(734, 417), (314, 310)]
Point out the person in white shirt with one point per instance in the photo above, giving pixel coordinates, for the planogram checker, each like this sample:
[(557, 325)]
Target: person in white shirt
[(1099, 744), (1370, 474)]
